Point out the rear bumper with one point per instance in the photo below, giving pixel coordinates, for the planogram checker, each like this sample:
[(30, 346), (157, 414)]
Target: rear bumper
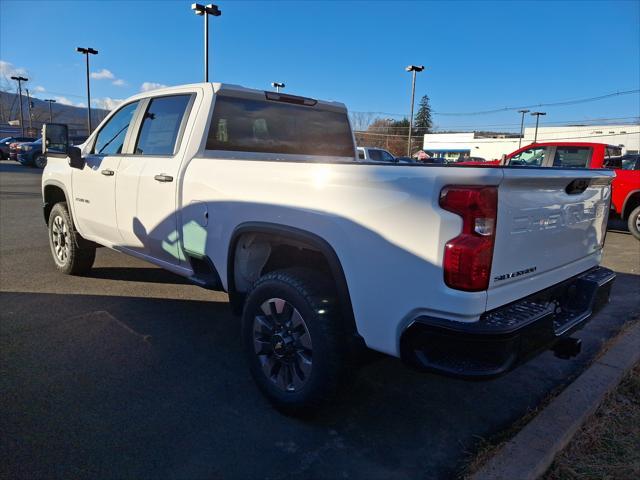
[(507, 336)]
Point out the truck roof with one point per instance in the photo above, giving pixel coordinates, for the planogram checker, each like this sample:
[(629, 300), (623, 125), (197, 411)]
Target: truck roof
[(237, 91)]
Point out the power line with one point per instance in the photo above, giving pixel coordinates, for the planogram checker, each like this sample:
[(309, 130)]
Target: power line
[(448, 142), (506, 109)]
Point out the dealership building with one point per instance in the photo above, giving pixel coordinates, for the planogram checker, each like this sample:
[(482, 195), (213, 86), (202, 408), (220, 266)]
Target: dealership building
[(493, 146)]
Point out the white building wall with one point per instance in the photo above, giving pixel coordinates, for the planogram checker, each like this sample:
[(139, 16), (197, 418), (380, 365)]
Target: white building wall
[(492, 148)]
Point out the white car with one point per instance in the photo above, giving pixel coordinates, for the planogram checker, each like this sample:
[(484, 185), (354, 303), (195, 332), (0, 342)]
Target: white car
[(466, 271)]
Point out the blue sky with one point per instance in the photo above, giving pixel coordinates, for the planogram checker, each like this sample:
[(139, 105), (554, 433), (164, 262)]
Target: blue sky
[(479, 55)]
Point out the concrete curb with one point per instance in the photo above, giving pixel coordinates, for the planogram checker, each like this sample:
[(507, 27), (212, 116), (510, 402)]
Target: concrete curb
[(530, 453)]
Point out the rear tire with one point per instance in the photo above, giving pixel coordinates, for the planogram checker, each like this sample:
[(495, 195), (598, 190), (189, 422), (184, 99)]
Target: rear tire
[(64, 241), (294, 340), (634, 222)]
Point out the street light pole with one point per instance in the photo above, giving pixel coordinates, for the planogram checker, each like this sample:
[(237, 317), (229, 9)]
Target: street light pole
[(537, 115), (50, 101), (522, 125), (205, 11), (277, 86), (414, 69), (20, 79), (86, 52)]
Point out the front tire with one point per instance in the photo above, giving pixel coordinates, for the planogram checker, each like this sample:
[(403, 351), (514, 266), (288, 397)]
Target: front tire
[(294, 340), (64, 241), (634, 222), (40, 161)]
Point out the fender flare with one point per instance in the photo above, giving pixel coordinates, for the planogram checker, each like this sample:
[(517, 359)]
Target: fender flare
[(46, 208), (302, 236)]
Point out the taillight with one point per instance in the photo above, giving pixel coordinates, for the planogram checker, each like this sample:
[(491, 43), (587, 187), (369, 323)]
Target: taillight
[(467, 257)]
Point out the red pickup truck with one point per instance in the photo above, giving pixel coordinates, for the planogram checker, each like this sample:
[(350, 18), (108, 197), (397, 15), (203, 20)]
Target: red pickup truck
[(625, 198)]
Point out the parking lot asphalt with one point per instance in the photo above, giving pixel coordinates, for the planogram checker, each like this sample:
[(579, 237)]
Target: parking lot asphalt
[(132, 372)]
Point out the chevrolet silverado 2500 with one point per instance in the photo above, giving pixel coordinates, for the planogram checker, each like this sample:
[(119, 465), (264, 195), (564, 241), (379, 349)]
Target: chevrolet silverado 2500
[(465, 271)]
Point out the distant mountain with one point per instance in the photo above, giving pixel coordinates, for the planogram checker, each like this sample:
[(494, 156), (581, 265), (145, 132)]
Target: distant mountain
[(73, 116)]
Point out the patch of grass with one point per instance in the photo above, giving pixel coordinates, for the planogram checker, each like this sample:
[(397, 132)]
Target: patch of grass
[(607, 447)]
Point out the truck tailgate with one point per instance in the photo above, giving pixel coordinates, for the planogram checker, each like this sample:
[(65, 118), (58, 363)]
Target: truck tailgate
[(551, 225)]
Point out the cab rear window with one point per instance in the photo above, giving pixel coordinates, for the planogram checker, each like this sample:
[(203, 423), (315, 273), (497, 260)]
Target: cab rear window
[(248, 125), (572, 157)]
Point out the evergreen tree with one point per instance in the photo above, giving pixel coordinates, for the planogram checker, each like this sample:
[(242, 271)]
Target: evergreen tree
[(424, 124)]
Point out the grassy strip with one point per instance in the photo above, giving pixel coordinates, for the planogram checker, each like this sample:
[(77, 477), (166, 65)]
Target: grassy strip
[(607, 447)]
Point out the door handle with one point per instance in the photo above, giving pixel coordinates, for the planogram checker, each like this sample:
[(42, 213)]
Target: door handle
[(163, 178), (107, 172)]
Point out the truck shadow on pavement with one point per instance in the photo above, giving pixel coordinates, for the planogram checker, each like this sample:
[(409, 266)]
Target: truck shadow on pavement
[(113, 386)]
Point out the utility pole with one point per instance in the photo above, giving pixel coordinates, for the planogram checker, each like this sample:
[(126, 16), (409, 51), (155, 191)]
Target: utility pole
[(522, 126), (413, 69), (86, 52), (30, 107), (50, 101), (205, 11), (277, 86), (20, 79), (537, 115)]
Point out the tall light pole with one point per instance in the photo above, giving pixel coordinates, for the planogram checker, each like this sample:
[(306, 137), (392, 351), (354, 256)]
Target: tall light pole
[(206, 10), (50, 101), (20, 79), (537, 115), (413, 69), (522, 125), (277, 86), (86, 52)]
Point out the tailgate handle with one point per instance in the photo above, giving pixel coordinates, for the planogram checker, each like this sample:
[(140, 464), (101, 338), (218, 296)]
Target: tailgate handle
[(577, 186)]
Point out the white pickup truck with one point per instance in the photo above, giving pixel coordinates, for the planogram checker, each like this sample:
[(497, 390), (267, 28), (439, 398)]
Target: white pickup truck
[(465, 271)]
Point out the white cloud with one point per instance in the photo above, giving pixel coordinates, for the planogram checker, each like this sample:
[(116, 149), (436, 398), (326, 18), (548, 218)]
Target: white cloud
[(118, 82), (64, 101), (147, 86), (39, 88), (8, 70), (102, 74), (107, 103)]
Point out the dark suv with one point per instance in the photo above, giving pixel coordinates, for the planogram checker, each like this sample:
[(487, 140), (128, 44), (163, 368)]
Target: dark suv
[(30, 154)]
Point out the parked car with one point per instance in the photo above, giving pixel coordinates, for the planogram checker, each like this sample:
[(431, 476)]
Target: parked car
[(12, 144), (257, 193), (30, 154), (7, 141)]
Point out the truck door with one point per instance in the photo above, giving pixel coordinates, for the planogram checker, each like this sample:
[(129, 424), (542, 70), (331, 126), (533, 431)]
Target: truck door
[(94, 186), (147, 187)]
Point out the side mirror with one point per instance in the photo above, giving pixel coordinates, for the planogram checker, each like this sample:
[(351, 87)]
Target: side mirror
[(55, 139), (75, 158)]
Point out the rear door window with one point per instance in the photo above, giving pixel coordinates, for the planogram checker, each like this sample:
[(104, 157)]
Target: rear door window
[(532, 157), (252, 125), (572, 157), (161, 125)]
